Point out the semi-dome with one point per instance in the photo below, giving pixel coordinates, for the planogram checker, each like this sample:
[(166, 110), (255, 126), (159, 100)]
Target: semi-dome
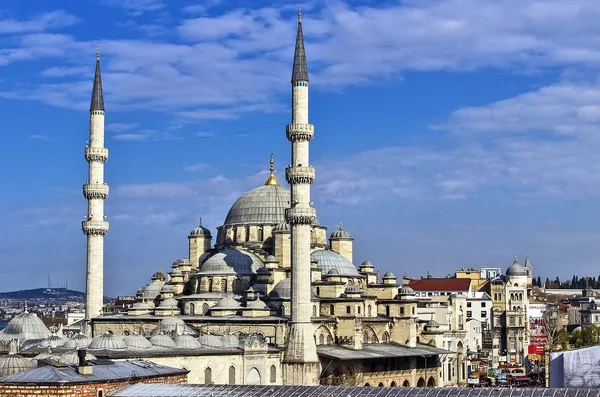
[(25, 326), (78, 341), (170, 324), (152, 290), (389, 276), (282, 227), (333, 272), (107, 341), (48, 355), (230, 340), (271, 259), (257, 304), (516, 269), (232, 262), (263, 205), (187, 341), (432, 324), (210, 340), (72, 357), (52, 341), (137, 341), (353, 289), (162, 340), (406, 290), (227, 303), (283, 289), (170, 303), (328, 260), (200, 231), (11, 364), (167, 288)]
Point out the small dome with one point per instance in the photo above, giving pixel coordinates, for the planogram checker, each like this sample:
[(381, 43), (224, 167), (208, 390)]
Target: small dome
[(328, 260), (432, 324), (48, 355), (282, 228), (73, 358), (366, 264), (271, 259), (389, 276), (230, 340), (200, 231), (170, 324), (263, 270), (516, 270), (11, 364), (143, 305), (283, 289), (232, 262), (185, 262), (162, 340), (187, 341), (176, 264), (53, 341), (152, 290), (227, 303), (406, 290), (169, 303), (107, 341), (353, 289), (210, 340), (340, 234), (333, 272), (137, 341), (78, 341), (167, 288), (25, 326), (257, 304)]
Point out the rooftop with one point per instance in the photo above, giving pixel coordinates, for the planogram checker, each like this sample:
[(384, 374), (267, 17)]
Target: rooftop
[(377, 350), (441, 284)]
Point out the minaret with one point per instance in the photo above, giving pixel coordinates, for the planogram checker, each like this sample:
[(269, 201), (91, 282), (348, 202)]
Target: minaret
[(300, 364), (95, 191)]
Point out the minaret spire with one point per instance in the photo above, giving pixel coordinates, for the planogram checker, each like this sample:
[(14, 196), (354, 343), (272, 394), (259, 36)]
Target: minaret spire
[(300, 70), (300, 363), (272, 180), (95, 191)]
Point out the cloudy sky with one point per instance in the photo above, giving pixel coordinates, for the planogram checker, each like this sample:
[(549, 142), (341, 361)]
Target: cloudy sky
[(449, 133)]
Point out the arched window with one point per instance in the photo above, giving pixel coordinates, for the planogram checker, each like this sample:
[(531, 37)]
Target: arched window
[(283, 310), (406, 384), (386, 337), (192, 309), (387, 311), (223, 285), (232, 375), (413, 310), (273, 374), (314, 310), (367, 385), (393, 384), (235, 234), (520, 296), (431, 382), (321, 339), (205, 308), (318, 291), (253, 377), (329, 340), (100, 393), (260, 234), (369, 310), (331, 310), (208, 376), (247, 233), (210, 285), (365, 337), (380, 384), (421, 382), (358, 309)]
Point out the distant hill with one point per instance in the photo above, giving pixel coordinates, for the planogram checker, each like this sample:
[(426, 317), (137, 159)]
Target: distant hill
[(43, 293)]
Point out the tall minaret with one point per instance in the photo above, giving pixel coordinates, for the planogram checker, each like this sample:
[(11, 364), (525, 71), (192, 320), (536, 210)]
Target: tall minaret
[(95, 191), (300, 364)]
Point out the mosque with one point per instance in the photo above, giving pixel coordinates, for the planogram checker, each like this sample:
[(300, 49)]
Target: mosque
[(271, 300)]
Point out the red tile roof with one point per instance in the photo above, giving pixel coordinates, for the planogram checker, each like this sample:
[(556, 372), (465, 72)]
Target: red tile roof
[(441, 284)]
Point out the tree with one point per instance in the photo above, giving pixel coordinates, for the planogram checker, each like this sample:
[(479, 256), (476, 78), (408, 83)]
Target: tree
[(539, 282), (551, 327), (589, 336)]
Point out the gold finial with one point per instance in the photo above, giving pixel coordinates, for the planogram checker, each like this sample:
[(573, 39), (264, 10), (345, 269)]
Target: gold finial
[(97, 53), (340, 225), (299, 14), (272, 180)]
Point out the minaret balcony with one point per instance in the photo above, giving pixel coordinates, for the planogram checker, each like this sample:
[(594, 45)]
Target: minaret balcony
[(300, 175), (96, 154), (300, 216), (94, 228), (300, 132), (95, 191)]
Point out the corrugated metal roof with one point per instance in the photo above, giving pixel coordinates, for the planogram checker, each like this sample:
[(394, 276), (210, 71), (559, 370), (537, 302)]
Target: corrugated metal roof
[(147, 390), (50, 375), (377, 350)]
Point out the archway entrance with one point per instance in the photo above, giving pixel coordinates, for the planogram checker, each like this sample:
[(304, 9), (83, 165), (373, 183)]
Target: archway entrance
[(431, 382), (253, 377), (421, 382)]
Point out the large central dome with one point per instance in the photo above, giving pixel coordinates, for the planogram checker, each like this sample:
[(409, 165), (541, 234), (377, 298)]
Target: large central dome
[(263, 205)]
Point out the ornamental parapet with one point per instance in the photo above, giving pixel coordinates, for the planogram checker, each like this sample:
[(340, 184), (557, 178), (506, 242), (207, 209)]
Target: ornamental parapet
[(96, 154), (95, 191), (94, 228), (300, 132), (300, 216), (300, 175)]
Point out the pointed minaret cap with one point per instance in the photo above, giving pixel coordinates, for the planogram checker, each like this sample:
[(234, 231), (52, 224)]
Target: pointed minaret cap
[(272, 180), (300, 71), (527, 262), (97, 97)]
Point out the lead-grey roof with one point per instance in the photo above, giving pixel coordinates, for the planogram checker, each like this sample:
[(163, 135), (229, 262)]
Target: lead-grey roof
[(13, 364), (190, 390), (232, 261), (300, 70), (50, 375), (25, 326), (516, 269), (328, 260), (377, 350), (97, 102), (263, 205)]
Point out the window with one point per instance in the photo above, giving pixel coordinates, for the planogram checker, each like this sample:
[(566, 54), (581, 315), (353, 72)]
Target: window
[(237, 285), (401, 310), (469, 314), (273, 374), (318, 291), (208, 376), (100, 393), (387, 311), (223, 285), (314, 311), (482, 304), (331, 310), (321, 339), (484, 314), (369, 311), (468, 304), (347, 309), (358, 309), (204, 308), (260, 234), (232, 375), (210, 285)]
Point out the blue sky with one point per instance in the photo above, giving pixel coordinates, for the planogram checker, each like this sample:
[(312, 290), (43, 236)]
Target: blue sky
[(449, 133)]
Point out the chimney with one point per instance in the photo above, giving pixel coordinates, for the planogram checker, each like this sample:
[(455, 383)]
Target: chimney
[(83, 368)]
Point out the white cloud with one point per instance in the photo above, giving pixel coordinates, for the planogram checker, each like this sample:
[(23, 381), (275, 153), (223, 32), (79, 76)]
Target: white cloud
[(196, 167), (137, 7), (39, 137), (39, 23), (66, 71), (120, 127)]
